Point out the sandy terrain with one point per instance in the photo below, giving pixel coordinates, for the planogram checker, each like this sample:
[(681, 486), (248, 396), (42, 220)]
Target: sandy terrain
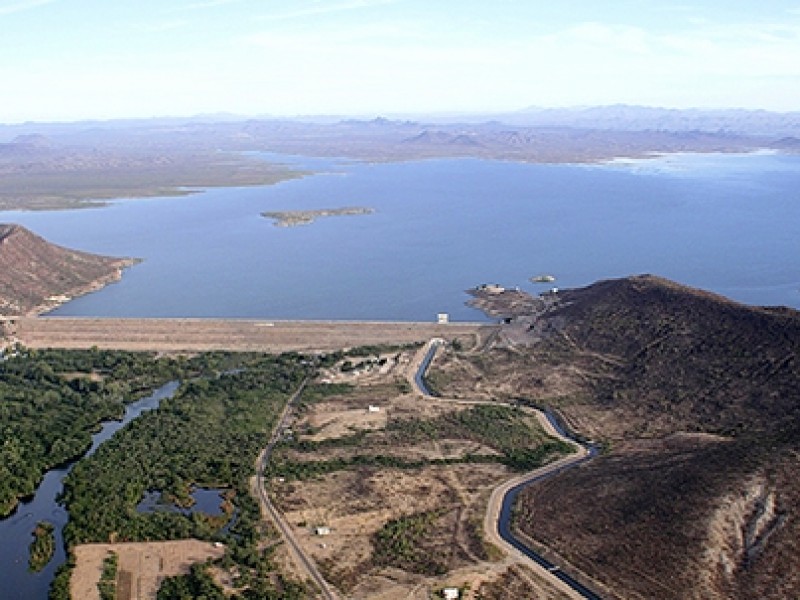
[(142, 566), (167, 335)]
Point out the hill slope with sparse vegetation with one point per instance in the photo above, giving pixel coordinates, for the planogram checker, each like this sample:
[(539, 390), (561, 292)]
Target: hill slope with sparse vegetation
[(38, 275), (697, 400)]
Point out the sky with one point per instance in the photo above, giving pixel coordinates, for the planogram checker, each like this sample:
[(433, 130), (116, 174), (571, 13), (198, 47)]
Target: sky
[(65, 60)]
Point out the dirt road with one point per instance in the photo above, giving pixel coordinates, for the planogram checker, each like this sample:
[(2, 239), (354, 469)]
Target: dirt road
[(300, 558)]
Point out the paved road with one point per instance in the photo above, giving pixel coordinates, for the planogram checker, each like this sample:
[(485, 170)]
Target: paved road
[(300, 557), (497, 523), (504, 519)]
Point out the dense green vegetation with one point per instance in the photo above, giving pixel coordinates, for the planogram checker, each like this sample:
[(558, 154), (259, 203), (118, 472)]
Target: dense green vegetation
[(512, 431), (195, 584), (208, 434), (107, 586), (315, 392), (198, 583), (59, 588), (52, 400), (42, 547), (398, 544), (289, 469)]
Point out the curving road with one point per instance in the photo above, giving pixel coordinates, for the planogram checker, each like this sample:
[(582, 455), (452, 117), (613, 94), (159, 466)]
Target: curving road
[(497, 523)]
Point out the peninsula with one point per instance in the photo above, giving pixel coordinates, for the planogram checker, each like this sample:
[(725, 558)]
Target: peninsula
[(38, 276), (293, 218)]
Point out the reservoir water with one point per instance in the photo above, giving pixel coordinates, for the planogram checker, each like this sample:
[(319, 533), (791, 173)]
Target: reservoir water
[(727, 223), (16, 531)]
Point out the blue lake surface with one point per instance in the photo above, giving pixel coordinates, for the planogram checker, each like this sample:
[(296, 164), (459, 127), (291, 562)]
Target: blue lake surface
[(727, 223), (206, 500)]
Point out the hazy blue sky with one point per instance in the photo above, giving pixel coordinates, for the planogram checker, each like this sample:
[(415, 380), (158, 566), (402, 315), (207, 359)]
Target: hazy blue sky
[(74, 59)]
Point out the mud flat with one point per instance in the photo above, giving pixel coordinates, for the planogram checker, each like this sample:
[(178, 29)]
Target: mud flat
[(174, 335)]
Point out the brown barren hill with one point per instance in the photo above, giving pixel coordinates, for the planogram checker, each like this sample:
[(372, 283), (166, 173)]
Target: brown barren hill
[(682, 359), (36, 276), (640, 357), (698, 400)]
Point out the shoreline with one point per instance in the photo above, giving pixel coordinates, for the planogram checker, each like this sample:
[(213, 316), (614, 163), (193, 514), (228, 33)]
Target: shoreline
[(53, 302), (55, 202)]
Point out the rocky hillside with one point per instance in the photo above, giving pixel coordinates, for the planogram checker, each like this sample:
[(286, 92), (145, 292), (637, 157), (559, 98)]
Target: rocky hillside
[(698, 400), (37, 275), (643, 356), (714, 364), (685, 516)]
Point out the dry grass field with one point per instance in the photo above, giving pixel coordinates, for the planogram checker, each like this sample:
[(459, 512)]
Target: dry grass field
[(439, 505), (142, 566)]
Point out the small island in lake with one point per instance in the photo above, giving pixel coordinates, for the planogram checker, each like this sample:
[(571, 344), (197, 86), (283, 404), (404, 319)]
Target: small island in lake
[(42, 547), (543, 278), (293, 218)]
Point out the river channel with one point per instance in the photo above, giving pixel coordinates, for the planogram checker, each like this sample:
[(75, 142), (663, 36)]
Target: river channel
[(16, 531)]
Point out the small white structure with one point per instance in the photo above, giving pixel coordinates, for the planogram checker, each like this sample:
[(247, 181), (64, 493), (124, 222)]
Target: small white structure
[(442, 318), (492, 288), (323, 530), (373, 409), (451, 593)]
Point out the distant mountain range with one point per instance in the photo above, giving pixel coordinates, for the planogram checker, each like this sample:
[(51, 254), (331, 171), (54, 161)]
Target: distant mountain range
[(640, 118), (66, 165), (617, 117)]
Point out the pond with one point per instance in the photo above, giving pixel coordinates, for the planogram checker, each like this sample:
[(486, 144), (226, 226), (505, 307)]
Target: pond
[(16, 530)]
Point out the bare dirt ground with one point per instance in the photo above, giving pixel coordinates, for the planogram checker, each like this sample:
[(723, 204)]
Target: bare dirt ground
[(367, 499), (173, 335), (142, 566), (356, 503), (518, 581)]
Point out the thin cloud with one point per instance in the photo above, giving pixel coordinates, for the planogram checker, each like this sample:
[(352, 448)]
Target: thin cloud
[(207, 4), (319, 9), (7, 8), (162, 26)]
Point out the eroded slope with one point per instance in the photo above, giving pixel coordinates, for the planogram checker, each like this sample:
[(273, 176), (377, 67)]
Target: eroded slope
[(37, 275)]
